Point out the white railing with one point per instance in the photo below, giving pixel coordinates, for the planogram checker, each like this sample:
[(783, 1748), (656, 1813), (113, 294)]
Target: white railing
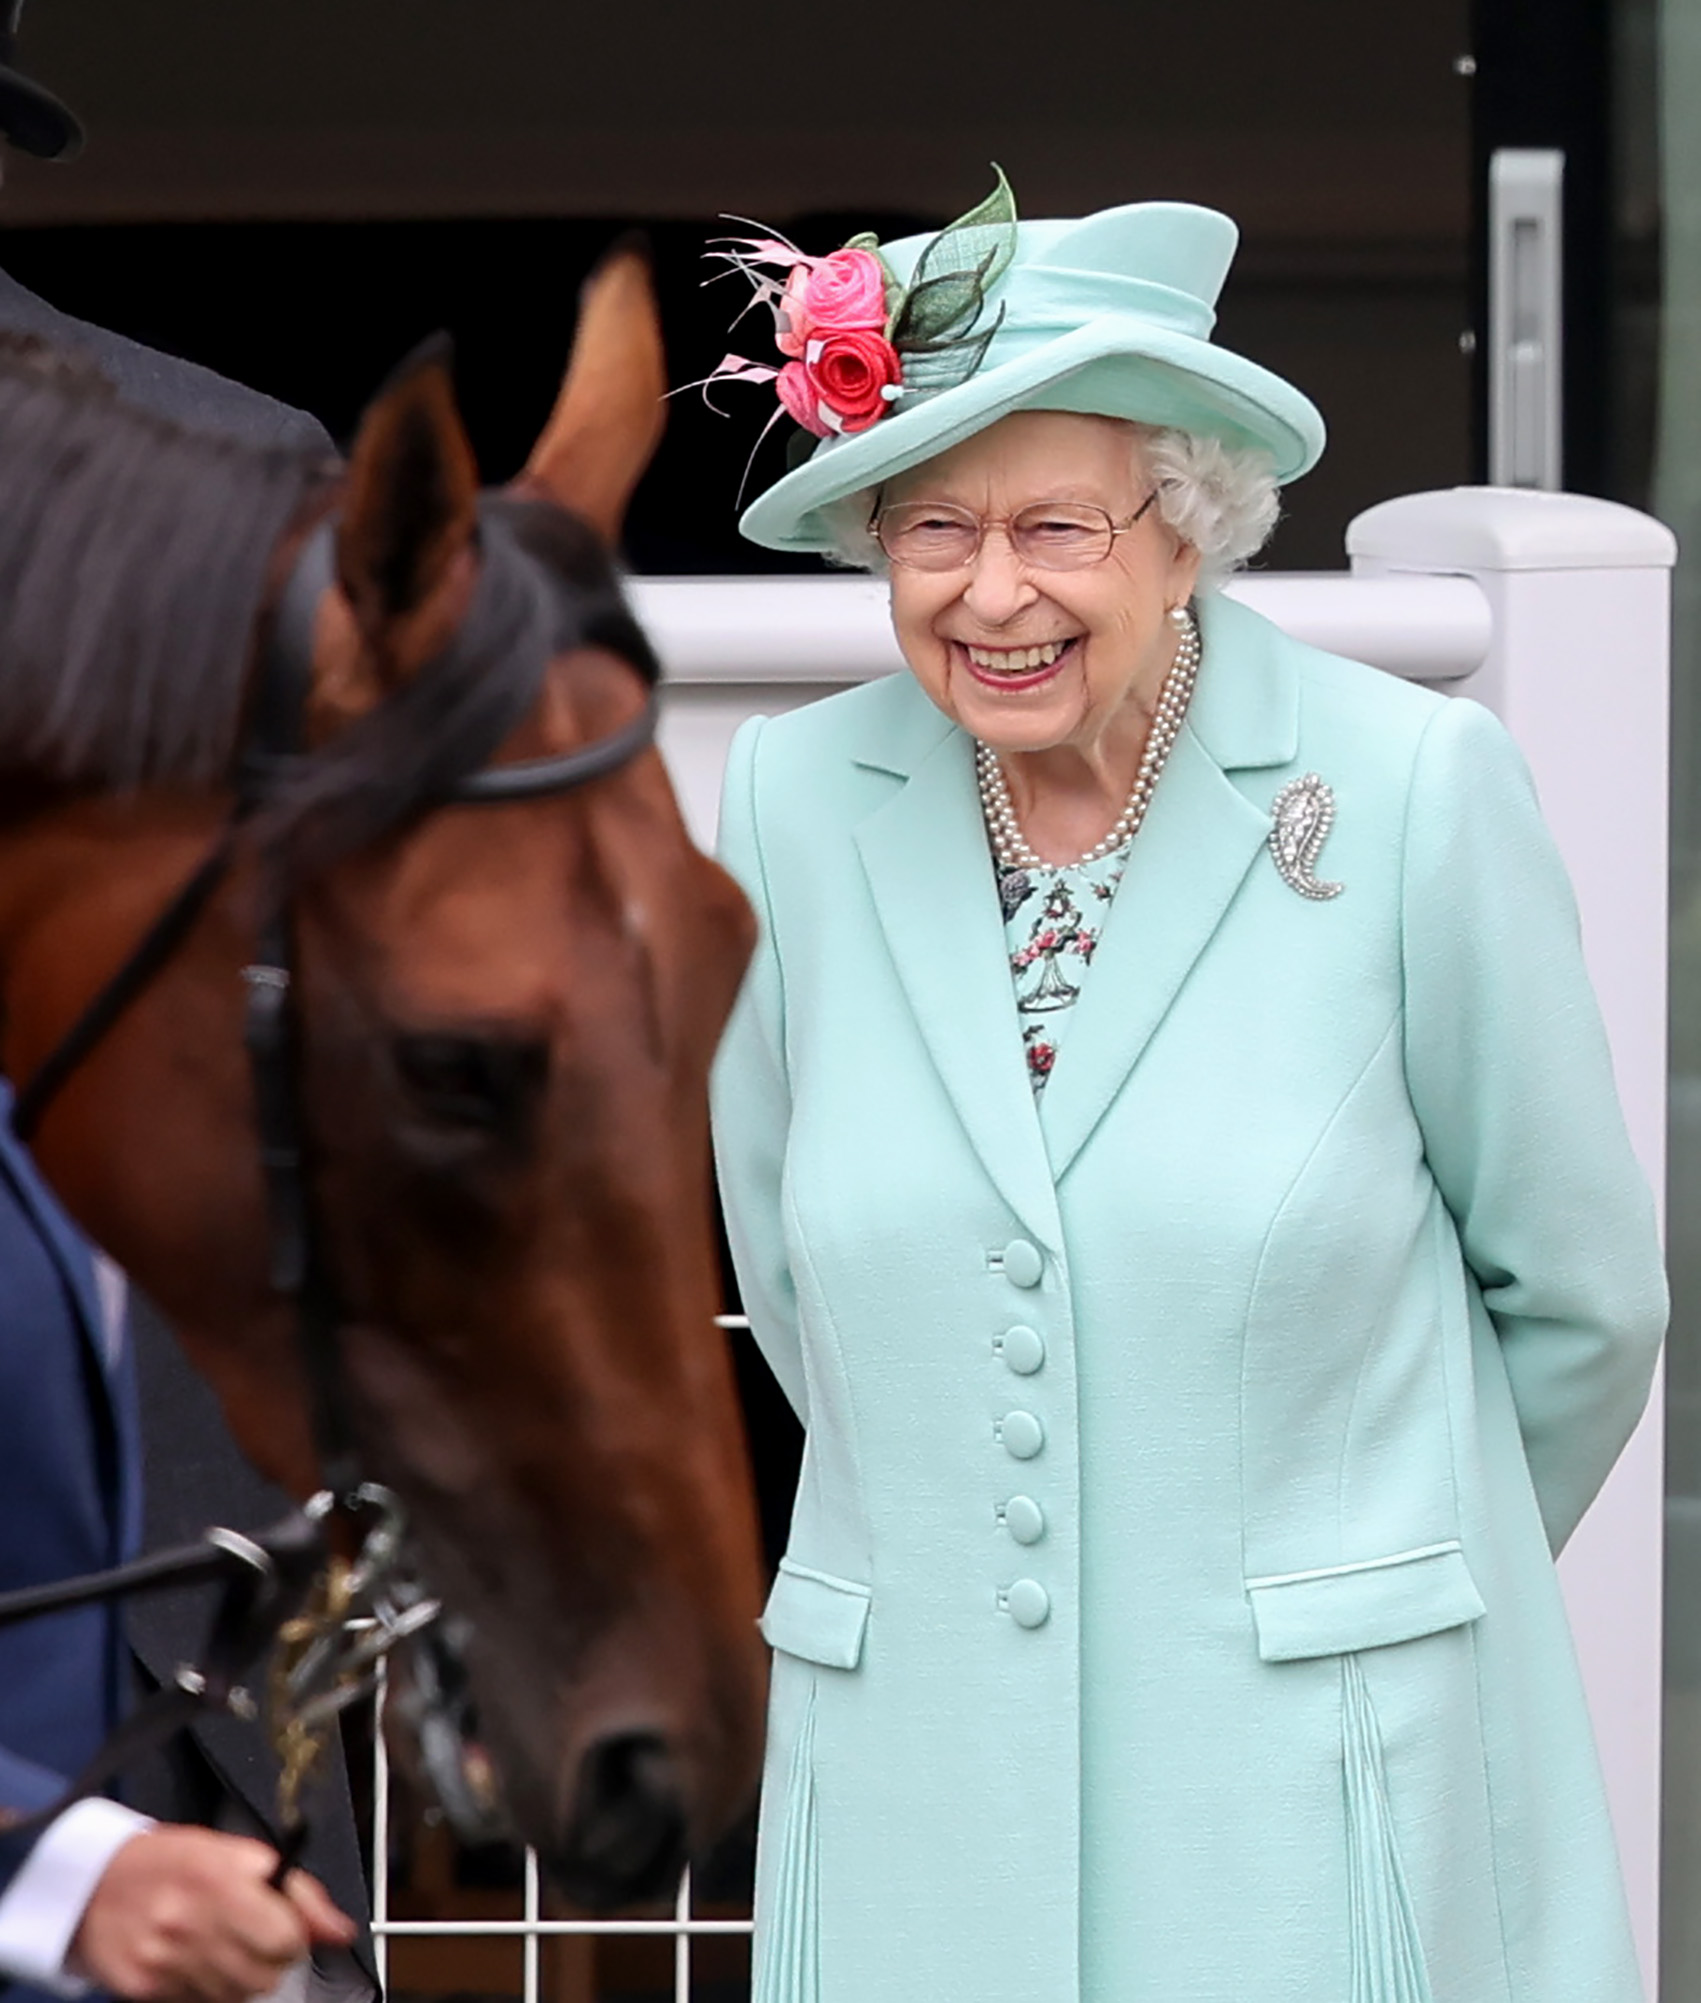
[(1551, 609), (530, 1927), (755, 631)]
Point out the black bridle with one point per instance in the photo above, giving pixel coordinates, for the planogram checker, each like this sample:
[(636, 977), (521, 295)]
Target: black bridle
[(525, 611)]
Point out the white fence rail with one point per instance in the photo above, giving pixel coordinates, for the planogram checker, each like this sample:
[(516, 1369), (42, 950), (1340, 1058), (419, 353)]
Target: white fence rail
[(1550, 608), (531, 1927), (756, 631)]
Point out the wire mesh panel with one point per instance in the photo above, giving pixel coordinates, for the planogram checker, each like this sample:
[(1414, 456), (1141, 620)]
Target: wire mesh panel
[(592, 1975)]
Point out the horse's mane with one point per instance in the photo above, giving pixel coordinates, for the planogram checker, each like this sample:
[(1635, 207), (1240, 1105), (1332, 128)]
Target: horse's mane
[(134, 556), (135, 560)]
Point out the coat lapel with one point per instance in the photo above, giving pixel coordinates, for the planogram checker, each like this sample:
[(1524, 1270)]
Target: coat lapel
[(1200, 838), (925, 855)]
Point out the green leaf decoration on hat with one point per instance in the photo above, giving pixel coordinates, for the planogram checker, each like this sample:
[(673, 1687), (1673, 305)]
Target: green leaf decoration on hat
[(933, 325)]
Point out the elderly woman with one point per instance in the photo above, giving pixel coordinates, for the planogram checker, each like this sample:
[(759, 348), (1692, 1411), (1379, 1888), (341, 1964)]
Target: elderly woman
[(1173, 1165)]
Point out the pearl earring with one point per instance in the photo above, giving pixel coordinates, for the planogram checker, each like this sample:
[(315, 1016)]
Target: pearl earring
[(1180, 615)]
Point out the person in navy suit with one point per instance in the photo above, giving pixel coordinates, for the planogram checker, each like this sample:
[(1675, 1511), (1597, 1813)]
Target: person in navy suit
[(96, 1407), (70, 1498), (147, 1909)]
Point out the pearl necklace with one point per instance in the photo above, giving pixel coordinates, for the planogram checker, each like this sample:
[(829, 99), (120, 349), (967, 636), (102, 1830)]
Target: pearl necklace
[(1011, 846)]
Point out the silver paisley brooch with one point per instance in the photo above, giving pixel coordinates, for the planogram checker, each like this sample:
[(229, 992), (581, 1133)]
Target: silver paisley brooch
[(1303, 814)]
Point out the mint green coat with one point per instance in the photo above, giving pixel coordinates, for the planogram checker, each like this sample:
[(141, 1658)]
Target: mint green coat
[(1169, 1615)]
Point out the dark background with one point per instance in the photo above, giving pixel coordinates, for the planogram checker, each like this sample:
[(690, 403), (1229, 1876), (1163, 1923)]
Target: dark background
[(297, 194)]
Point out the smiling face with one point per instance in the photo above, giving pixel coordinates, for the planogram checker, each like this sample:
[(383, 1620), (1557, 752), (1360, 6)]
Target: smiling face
[(1028, 659)]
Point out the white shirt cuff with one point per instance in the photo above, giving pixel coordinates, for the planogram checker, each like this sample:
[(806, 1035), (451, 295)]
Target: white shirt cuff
[(43, 1906)]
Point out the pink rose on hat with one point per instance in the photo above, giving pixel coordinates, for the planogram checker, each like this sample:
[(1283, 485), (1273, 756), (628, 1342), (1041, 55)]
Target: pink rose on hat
[(851, 372), (844, 292), (840, 385), (847, 329), (797, 393)]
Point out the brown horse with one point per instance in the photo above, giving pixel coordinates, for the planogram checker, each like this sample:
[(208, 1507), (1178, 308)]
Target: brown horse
[(506, 1016)]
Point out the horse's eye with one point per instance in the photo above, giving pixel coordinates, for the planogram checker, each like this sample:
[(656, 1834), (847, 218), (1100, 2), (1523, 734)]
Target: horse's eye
[(470, 1081)]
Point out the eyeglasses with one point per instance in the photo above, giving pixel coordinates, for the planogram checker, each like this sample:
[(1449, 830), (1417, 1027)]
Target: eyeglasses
[(1046, 535)]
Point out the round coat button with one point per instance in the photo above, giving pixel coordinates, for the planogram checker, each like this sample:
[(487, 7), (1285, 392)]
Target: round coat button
[(1023, 1348), (1022, 1263), (1022, 1434), (1029, 1603), (1024, 1519)]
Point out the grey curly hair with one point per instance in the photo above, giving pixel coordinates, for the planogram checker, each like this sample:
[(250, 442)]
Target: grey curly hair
[(1220, 498)]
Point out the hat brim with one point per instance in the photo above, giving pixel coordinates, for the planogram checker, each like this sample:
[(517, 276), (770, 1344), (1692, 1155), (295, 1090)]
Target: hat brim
[(35, 121), (1115, 366)]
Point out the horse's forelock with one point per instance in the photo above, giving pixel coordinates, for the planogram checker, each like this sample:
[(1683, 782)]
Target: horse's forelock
[(546, 587)]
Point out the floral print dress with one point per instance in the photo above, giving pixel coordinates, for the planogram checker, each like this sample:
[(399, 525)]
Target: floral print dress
[(1052, 921)]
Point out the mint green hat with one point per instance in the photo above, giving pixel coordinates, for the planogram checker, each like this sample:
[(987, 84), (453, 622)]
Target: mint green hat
[(1110, 315)]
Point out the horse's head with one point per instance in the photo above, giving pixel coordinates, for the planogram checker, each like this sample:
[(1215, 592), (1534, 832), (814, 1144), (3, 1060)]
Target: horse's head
[(507, 1013)]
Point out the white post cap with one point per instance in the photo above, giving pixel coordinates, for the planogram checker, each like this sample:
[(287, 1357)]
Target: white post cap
[(1507, 528)]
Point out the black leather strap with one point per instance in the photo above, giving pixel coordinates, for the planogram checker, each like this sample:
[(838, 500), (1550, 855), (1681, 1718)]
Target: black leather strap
[(266, 1577), (190, 1565), (538, 778)]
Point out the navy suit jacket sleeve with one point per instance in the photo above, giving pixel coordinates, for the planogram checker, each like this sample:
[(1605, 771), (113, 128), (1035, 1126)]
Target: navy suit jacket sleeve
[(67, 1453), (26, 1787)]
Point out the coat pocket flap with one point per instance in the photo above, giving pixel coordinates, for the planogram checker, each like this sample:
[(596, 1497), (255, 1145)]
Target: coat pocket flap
[(1342, 1608), (816, 1616)]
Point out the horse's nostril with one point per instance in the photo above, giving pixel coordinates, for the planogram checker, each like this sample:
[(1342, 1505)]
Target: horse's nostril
[(625, 1835)]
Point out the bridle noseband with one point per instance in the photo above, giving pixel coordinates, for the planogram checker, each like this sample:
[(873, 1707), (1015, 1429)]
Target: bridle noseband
[(524, 612)]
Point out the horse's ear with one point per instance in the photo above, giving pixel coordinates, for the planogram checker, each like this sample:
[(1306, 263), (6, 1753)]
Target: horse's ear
[(610, 413), (412, 496)]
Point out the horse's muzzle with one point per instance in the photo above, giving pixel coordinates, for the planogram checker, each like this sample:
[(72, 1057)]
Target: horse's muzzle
[(625, 1840)]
